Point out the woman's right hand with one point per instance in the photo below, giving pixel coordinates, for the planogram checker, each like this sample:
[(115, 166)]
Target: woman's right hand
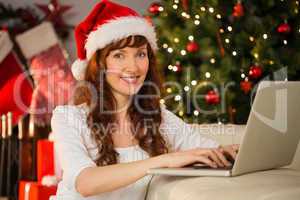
[(210, 156)]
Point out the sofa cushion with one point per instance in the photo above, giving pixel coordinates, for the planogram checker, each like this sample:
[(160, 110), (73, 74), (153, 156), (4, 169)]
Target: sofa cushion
[(268, 185)]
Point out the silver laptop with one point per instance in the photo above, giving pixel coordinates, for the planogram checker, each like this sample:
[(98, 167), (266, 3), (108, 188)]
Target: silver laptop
[(271, 136)]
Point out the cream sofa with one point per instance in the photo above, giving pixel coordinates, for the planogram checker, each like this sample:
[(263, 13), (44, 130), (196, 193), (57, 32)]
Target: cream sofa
[(277, 184)]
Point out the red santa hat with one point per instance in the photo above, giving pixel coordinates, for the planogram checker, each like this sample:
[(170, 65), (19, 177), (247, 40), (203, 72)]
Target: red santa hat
[(108, 22)]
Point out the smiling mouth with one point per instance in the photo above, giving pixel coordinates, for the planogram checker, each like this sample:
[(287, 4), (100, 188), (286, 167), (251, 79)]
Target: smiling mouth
[(130, 79)]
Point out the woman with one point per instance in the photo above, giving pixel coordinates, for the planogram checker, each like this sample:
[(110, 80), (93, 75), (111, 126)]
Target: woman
[(117, 129)]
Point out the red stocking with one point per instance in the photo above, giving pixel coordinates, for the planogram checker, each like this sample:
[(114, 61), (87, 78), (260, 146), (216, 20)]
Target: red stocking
[(49, 68), (15, 87)]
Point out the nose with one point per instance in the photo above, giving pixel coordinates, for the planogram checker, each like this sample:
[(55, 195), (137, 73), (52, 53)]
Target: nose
[(131, 65)]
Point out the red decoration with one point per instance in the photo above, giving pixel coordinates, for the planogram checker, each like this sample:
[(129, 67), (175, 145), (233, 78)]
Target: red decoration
[(246, 86), (255, 71), (238, 10), (192, 47), (185, 4), (13, 81), (35, 191), (54, 11), (284, 28), (45, 159), (179, 68), (212, 97), (154, 8)]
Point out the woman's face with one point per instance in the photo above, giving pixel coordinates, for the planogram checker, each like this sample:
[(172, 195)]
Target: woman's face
[(127, 69)]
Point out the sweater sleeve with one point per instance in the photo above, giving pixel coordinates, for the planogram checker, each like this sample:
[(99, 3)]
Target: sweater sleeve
[(68, 124), (181, 135)]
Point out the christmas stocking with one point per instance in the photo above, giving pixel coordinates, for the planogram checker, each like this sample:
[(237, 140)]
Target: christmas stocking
[(50, 70), (15, 87)]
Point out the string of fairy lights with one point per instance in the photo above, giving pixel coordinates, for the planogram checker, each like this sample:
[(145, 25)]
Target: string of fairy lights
[(225, 38)]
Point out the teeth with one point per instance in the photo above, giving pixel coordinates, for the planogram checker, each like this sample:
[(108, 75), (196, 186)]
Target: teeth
[(129, 77), (132, 79)]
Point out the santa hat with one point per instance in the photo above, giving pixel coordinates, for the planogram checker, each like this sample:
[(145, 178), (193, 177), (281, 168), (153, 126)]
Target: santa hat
[(108, 22)]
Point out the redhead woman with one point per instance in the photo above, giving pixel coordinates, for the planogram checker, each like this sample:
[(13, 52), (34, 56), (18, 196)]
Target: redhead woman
[(116, 129)]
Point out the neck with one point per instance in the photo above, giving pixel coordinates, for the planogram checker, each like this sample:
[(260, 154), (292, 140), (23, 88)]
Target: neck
[(123, 102)]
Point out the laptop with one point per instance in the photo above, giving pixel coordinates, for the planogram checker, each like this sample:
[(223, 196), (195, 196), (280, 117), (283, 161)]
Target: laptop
[(271, 135)]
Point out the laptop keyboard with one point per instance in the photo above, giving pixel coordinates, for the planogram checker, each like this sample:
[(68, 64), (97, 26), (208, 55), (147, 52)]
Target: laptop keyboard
[(201, 166), (205, 166)]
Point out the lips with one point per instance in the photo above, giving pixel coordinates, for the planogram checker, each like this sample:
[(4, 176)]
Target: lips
[(130, 79)]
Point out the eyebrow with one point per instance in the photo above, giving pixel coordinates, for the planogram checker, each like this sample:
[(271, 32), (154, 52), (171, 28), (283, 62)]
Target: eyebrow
[(141, 48)]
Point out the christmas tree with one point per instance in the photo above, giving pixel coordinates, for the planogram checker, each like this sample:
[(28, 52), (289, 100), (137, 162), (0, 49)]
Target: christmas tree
[(214, 53)]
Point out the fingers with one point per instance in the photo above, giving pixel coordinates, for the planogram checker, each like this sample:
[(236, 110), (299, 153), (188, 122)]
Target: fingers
[(223, 159), (214, 155), (235, 147), (216, 158), (231, 150), (219, 155), (207, 161)]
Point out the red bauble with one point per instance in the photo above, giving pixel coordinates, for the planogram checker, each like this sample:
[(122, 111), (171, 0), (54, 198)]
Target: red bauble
[(255, 71), (246, 86), (154, 8), (185, 4), (192, 47), (178, 67), (284, 28), (212, 97), (238, 10)]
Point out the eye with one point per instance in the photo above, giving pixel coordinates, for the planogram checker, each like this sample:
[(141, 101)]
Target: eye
[(142, 54), (118, 55)]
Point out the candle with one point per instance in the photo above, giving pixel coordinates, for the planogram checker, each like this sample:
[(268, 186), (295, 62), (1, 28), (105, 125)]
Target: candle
[(20, 128), (9, 134), (3, 147), (31, 127), (20, 137), (33, 140), (3, 119), (9, 124)]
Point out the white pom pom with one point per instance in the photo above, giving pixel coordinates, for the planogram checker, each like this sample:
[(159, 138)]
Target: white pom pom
[(49, 181), (78, 69)]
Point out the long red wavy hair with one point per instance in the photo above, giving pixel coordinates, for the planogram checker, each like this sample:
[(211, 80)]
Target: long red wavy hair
[(145, 125)]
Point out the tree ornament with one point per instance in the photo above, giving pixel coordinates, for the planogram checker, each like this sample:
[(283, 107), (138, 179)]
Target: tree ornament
[(246, 86), (178, 68), (154, 8), (192, 47), (238, 10), (185, 4), (284, 28), (212, 98), (255, 71)]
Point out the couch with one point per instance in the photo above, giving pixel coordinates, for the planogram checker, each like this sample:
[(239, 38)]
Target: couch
[(276, 184)]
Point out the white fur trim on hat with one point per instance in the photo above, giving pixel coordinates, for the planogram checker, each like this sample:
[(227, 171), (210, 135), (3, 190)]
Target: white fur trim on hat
[(37, 39), (5, 45), (78, 69), (117, 29)]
